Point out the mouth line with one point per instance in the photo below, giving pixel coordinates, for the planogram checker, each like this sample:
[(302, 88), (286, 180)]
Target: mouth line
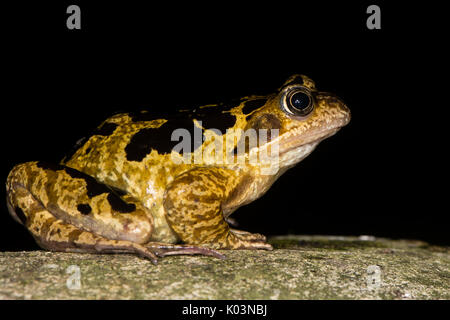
[(291, 143)]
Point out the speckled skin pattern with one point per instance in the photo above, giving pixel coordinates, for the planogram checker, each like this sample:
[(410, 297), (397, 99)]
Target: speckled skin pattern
[(124, 188)]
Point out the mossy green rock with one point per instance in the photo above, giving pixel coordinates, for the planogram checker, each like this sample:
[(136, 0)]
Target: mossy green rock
[(300, 267)]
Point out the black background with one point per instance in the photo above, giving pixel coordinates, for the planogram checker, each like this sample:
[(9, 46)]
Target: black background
[(376, 176)]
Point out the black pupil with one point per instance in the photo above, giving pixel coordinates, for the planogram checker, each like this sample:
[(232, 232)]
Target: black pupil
[(300, 101)]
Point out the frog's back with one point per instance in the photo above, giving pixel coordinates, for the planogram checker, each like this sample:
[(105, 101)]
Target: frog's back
[(129, 150)]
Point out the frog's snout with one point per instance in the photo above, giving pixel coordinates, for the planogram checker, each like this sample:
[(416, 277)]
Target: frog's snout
[(340, 111), (347, 115)]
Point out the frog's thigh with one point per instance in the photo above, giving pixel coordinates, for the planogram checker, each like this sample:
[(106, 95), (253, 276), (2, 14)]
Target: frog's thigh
[(78, 200), (193, 204)]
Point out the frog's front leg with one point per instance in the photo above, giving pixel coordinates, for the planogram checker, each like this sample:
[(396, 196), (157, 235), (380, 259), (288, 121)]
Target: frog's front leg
[(67, 210), (193, 204)]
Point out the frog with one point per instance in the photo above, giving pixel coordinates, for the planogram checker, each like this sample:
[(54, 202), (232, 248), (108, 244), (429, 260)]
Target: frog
[(129, 187)]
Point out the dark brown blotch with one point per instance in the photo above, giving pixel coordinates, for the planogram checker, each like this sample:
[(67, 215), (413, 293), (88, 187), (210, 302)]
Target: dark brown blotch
[(160, 139), (119, 205), (106, 129), (252, 105), (221, 121), (93, 187), (84, 208)]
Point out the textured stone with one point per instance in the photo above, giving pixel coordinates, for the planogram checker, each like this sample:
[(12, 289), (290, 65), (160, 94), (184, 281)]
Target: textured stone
[(300, 267)]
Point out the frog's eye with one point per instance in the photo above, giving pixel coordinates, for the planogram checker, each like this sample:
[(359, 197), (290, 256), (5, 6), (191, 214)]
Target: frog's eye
[(298, 102)]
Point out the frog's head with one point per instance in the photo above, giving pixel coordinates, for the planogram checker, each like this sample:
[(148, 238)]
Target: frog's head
[(304, 117)]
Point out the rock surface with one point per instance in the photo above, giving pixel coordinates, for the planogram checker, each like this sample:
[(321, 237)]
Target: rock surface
[(300, 267)]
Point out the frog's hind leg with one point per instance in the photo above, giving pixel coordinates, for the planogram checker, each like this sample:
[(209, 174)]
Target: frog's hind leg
[(55, 235), (79, 200), (66, 210)]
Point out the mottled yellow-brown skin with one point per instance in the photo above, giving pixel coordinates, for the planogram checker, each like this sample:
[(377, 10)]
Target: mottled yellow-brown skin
[(123, 190)]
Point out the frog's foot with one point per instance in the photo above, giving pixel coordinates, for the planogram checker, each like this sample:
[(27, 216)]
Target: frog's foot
[(165, 249)]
